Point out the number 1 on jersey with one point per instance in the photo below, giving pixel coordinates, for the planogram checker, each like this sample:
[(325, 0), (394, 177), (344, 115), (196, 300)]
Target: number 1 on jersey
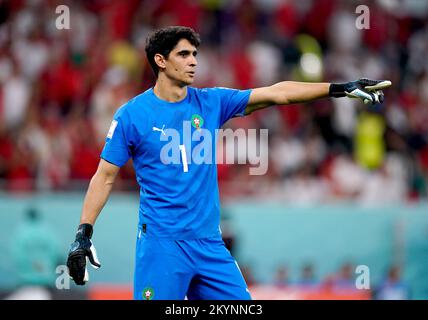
[(184, 157)]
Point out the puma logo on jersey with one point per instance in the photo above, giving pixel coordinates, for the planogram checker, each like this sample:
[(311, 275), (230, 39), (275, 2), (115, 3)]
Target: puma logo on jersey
[(161, 130)]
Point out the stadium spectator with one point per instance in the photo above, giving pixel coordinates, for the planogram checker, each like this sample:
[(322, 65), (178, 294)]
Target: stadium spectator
[(281, 279), (36, 253), (393, 287), (307, 276)]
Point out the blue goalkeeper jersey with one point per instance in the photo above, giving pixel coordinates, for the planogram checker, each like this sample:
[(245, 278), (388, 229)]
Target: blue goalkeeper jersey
[(173, 147)]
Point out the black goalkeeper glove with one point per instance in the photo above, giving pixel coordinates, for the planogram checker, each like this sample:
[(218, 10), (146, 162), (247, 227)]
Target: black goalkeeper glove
[(369, 91), (81, 250)]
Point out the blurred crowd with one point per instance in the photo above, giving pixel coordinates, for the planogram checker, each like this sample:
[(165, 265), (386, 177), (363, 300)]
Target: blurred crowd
[(391, 285), (59, 89)]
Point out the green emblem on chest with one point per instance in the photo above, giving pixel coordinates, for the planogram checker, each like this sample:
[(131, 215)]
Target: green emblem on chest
[(197, 121)]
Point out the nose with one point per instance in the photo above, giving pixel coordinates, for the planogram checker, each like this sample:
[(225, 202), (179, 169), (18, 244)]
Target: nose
[(193, 61)]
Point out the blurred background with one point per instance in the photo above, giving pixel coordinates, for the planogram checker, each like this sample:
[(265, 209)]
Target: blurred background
[(346, 185)]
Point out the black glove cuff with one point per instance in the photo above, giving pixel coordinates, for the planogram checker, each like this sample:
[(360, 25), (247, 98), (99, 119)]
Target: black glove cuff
[(337, 90), (84, 230)]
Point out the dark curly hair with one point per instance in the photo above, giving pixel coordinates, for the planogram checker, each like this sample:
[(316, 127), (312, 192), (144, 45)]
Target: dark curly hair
[(164, 40)]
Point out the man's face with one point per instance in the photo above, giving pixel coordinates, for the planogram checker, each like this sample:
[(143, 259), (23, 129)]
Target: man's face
[(181, 63)]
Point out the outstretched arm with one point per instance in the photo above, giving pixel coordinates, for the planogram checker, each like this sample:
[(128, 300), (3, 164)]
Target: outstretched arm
[(286, 92), (289, 92)]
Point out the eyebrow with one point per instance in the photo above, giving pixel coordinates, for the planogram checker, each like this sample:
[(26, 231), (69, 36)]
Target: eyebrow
[(194, 52)]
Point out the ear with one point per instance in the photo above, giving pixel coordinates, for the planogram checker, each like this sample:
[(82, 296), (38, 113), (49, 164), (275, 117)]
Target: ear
[(160, 61)]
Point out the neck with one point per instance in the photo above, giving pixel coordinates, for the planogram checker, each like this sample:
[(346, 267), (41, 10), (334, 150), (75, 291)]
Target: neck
[(167, 90)]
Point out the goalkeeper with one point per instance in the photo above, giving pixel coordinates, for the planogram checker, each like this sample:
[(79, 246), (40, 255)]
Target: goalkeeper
[(179, 249)]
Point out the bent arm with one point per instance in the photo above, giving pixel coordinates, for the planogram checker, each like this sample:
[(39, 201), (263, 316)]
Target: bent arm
[(98, 191), (286, 92)]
